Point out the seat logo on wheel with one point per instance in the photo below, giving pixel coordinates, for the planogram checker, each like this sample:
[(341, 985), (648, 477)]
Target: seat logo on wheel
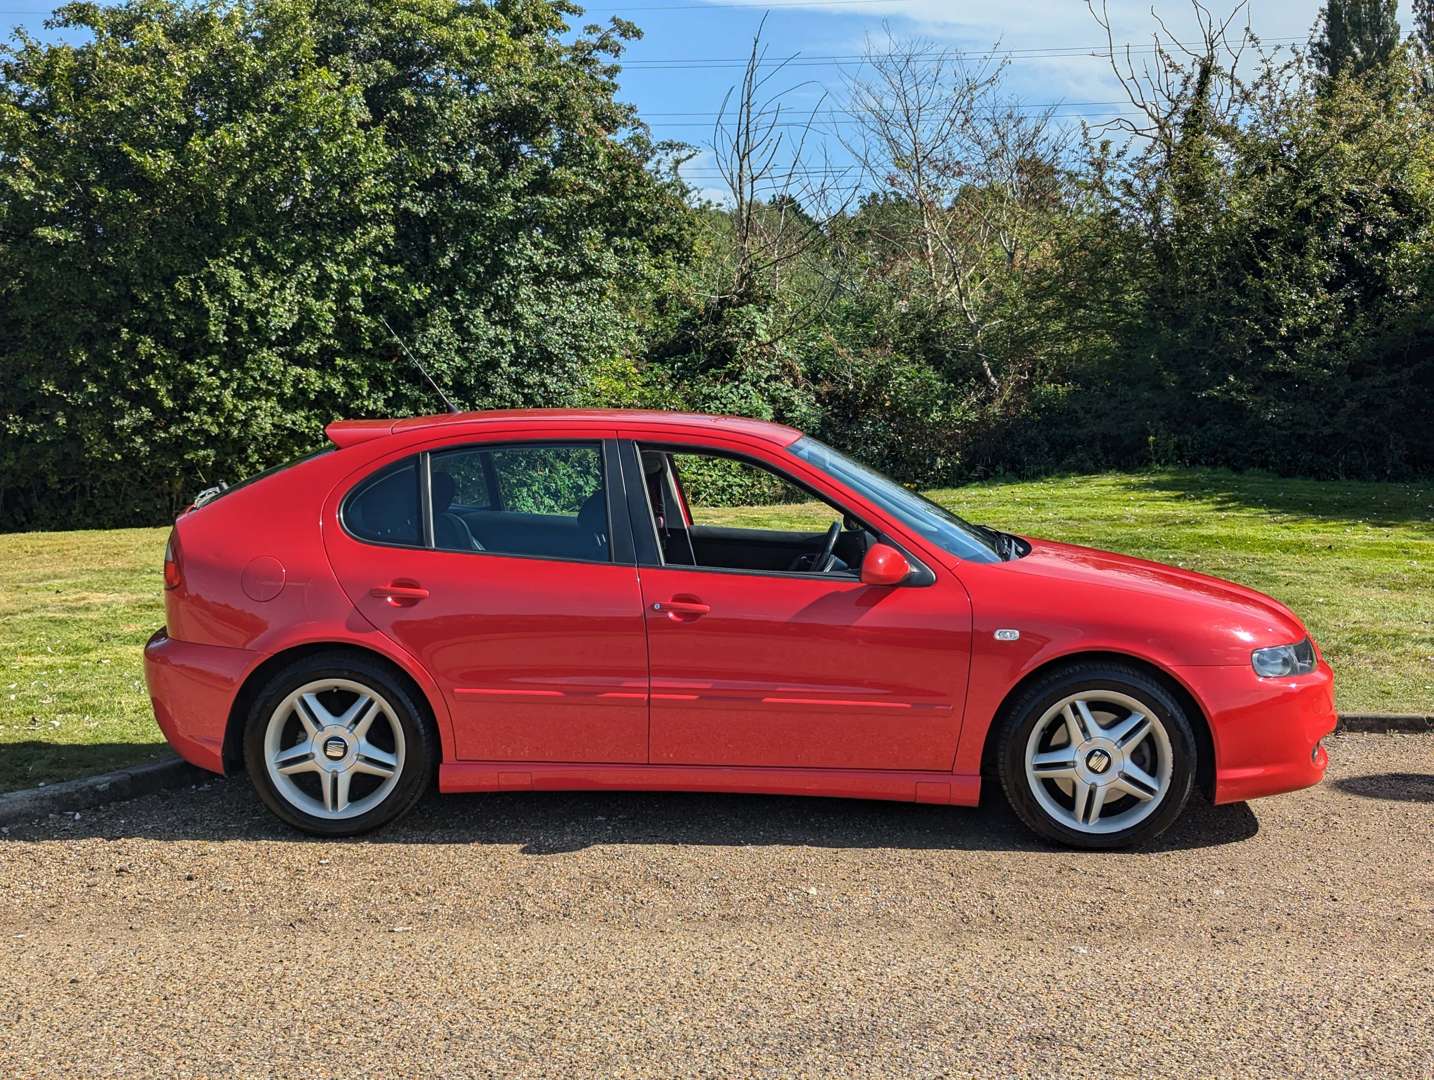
[(1098, 761), (335, 748)]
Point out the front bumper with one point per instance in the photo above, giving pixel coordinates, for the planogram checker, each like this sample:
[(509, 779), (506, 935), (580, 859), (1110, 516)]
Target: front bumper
[(192, 688), (1266, 732)]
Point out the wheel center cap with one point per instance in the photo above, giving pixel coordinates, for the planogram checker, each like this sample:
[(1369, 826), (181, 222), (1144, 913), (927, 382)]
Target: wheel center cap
[(335, 748), (1097, 761)]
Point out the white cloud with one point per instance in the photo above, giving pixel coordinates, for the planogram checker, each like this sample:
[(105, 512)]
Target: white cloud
[(1035, 23), (1023, 25)]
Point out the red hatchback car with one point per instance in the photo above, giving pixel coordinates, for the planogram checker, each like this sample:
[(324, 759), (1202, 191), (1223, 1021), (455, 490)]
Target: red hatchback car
[(544, 600)]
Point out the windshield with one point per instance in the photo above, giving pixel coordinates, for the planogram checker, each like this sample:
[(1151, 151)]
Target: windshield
[(919, 513)]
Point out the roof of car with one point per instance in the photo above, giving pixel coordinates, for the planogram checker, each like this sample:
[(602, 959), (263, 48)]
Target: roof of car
[(349, 432)]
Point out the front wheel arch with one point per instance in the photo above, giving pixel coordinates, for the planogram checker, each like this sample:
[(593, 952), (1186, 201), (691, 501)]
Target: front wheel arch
[(1199, 722), (257, 679)]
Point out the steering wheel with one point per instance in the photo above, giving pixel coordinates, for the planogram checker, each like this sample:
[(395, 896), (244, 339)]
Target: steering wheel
[(827, 559)]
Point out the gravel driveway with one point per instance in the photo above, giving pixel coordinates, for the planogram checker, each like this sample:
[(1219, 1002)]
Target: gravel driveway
[(188, 934)]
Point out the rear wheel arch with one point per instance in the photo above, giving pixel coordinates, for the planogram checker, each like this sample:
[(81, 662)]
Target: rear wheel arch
[(257, 679), (1199, 721)]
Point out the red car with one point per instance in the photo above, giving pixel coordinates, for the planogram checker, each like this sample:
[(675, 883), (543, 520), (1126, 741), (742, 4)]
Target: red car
[(545, 600)]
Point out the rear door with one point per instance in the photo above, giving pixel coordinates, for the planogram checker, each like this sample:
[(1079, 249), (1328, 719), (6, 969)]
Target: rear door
[(497, 565)]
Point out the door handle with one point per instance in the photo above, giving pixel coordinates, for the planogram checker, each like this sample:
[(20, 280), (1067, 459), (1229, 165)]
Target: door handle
[(682, 608), (400, 593)]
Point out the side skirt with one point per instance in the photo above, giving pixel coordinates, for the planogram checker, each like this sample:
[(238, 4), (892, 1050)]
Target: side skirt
[(956, 789)]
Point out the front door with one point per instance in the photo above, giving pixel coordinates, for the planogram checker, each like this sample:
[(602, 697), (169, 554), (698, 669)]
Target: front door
[(513, 600), (789, 667)]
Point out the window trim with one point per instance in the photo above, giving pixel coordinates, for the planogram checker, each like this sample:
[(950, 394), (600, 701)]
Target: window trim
[(619, 536), (425, 499), (921, 574)]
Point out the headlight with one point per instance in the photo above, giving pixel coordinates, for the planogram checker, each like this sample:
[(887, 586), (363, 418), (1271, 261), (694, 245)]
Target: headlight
[(1281, 660)]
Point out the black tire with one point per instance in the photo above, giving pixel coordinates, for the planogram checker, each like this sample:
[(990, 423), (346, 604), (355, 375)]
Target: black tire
[(419, 762), (1026, 711)]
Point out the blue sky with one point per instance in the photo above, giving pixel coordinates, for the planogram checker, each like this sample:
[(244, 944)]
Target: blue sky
[(663, 80), (691, 50)]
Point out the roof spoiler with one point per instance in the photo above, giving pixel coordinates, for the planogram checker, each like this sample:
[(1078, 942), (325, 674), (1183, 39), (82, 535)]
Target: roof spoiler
[(352, 432)]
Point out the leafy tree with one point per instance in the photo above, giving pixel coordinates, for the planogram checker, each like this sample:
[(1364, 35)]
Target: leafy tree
[(1424, 22), (1354, 37), (208, 211), (1282, 314), (1421, 40), (206, 208)]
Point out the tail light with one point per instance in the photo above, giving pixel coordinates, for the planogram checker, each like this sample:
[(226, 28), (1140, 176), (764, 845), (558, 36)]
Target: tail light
[(172, 577)]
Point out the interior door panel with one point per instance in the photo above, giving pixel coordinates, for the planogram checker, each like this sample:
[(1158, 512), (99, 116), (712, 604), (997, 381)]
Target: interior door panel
[(751, 549), (538, 534)]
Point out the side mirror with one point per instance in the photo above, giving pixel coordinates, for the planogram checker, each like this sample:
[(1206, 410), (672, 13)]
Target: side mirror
[(884, 565)]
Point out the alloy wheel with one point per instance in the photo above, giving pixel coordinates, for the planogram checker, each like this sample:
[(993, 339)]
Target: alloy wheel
[(1099, 761), (334, 748)]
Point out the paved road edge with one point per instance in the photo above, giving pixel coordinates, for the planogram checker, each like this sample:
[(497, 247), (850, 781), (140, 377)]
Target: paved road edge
[(71, 796), (1384, 723)]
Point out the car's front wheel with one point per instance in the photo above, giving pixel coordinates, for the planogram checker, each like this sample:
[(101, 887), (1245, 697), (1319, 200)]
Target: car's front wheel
[(1097, 756), (336, 745)]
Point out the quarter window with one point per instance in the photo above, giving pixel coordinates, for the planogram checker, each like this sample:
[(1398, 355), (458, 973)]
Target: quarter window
[(386, 509)]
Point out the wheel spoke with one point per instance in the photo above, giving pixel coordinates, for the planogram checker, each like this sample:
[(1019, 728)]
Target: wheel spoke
[(1073, 726), (328, 788), (1080, 793), (1097, 803), (1055, 764), (372, 768), (341, 789), (1138, 782), (296, 759), (1130, 731), (306, 717), (312, 712), (350, 716), (374, 761), (360, 726)]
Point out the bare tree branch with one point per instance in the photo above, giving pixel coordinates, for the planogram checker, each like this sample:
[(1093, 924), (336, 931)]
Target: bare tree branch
[(779, 206), (974, 168)]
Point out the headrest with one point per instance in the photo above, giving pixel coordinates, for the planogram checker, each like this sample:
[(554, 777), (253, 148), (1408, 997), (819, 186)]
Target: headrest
[(443, 488), (593, 514)]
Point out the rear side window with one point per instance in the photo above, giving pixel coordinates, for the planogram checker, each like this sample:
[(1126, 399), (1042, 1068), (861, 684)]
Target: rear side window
[(548, 479), (545, 501), (474, 484), (386, 507)]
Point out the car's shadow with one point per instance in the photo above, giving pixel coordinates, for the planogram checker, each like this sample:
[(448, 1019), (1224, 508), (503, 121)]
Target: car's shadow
[(558, 822), (1398, 787)]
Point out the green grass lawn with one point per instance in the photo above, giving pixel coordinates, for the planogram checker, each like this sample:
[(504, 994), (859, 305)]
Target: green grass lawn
[(1355, 560)]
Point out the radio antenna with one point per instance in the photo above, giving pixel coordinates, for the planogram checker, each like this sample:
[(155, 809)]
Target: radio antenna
[(421, 369)]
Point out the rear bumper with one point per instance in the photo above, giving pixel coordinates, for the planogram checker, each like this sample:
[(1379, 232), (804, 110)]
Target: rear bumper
[(1266, 732), (192, 688)]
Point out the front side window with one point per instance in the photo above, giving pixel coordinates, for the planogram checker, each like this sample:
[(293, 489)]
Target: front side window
[(722, 512), (546, 501)]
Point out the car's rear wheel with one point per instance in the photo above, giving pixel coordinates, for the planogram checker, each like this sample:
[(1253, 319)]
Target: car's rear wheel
[(1097, 756), (337, 745)]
